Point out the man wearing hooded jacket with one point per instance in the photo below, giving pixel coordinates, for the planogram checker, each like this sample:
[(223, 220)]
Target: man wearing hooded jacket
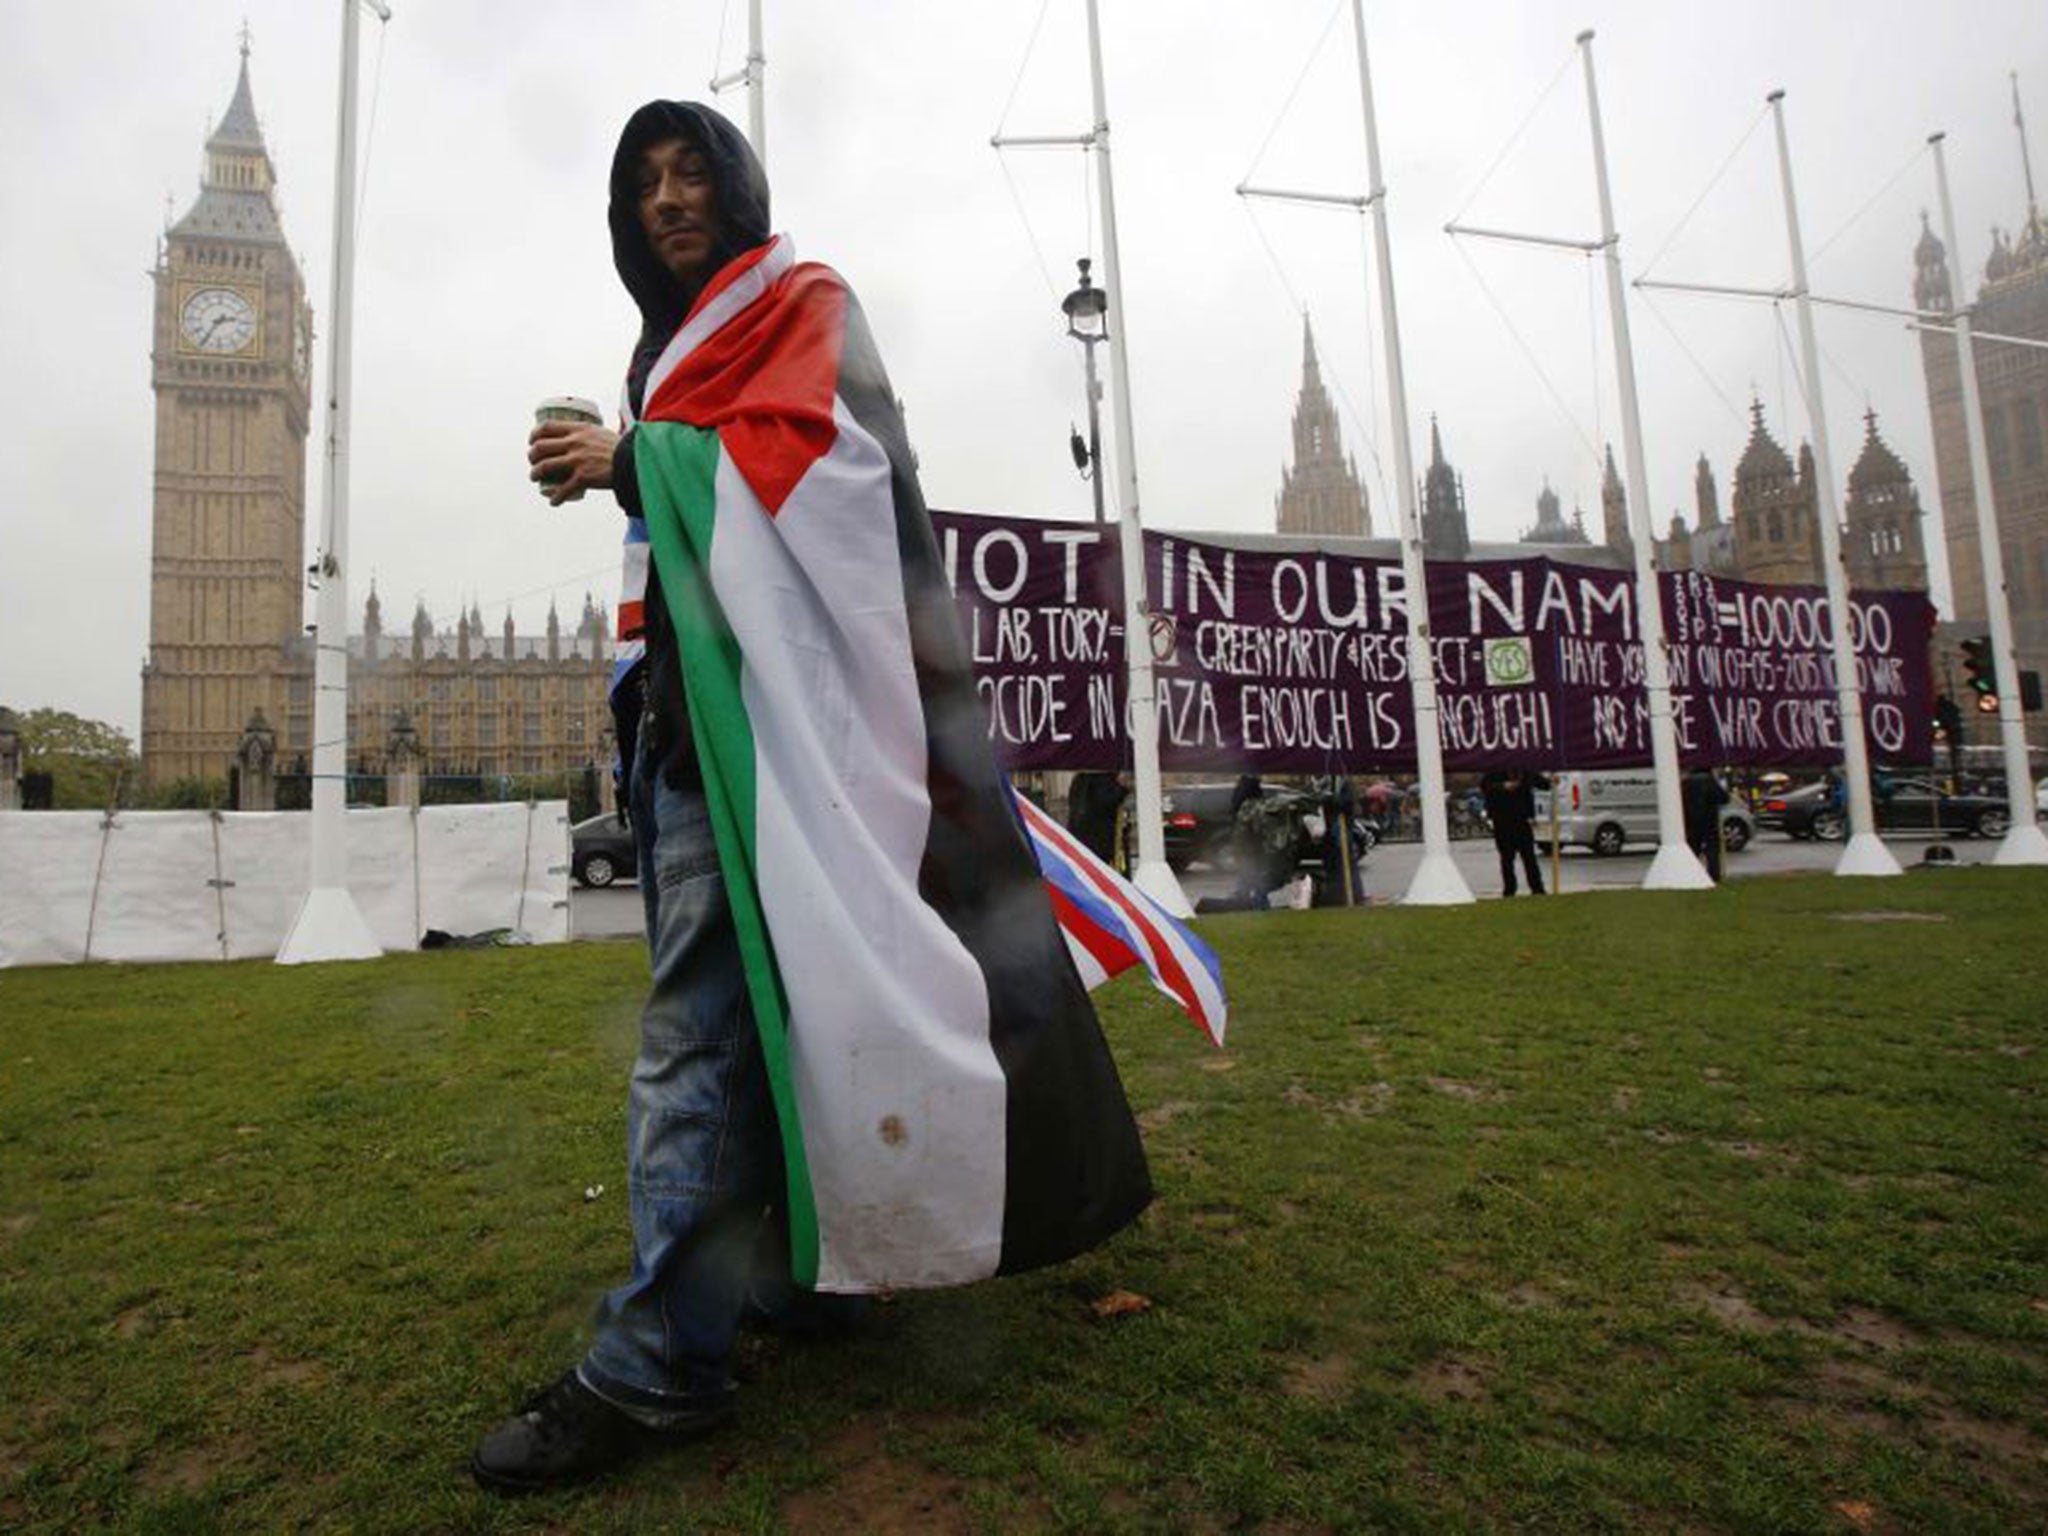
[(896, 978), (687, 195)]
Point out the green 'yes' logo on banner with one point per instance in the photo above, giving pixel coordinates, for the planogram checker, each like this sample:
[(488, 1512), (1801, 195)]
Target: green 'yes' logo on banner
[(1508, 662)]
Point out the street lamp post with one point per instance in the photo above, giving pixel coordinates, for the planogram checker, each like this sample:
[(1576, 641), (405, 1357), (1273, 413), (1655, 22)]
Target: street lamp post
[(1087, 311)]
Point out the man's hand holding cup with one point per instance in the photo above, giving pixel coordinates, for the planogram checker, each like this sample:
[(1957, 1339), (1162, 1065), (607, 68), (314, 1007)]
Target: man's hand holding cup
[(570, 449)]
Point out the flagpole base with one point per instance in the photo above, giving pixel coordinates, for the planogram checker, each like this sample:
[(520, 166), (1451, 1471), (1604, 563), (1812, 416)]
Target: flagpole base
[(2023, 846), (1676, 868), (329, 927), (1437, 883), (1866, 854)]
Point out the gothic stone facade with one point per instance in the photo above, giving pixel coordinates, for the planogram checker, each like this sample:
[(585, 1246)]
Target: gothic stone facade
[(2012, 382), (228, 365), (1772, 533)]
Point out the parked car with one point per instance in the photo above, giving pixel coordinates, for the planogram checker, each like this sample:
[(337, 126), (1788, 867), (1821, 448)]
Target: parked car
[(1901, 805), (601, 850), (1201, 830), (1607, 812)]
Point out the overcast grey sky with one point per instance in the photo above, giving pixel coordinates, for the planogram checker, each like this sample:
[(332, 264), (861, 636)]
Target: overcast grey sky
[(485, 281)]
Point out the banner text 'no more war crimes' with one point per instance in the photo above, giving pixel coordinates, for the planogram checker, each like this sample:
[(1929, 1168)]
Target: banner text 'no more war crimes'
[(1297, 661)]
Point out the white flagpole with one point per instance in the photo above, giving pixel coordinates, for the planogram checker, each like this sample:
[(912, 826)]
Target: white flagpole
[(754, 76), (329, 925), (1153, 875), (1674, 868), (1865, 853), (1437, 881), (757, 84), (2024, 842)]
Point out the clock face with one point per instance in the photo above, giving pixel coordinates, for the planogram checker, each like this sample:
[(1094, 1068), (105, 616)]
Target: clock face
[(218, 320)]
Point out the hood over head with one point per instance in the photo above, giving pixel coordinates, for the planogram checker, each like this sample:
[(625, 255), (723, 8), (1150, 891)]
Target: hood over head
[(737, 176)]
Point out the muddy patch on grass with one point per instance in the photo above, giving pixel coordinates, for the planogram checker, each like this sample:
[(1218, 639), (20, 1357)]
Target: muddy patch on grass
[(1323, 1380), (192, 1468), (1986, 1437), (1372, 1100), (269, 1370), (1873, 1330), (1450, 1380), (1760, 1152), (1165, 1114), (1469, 1093), (1623, 1099), (1219, 1221), (1857, 1395), (19, 1222), (1732, 1309), (1861, 1328), (872, 1490), (1528, 1297), (1219, 1064)]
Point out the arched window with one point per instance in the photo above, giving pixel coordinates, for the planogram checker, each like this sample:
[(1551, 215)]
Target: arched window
[(1777, 523)]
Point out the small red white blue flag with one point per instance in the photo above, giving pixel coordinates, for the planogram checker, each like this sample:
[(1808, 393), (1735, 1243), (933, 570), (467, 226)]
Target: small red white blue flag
[(1110, 925)]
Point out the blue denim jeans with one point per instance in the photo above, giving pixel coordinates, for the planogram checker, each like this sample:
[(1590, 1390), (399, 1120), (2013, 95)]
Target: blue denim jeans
[(703, 1158)]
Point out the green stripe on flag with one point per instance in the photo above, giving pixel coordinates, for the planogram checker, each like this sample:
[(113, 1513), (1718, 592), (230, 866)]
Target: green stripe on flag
[(677, 465)]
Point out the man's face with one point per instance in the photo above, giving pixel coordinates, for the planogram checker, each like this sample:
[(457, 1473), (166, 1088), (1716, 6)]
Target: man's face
[(679, 210)]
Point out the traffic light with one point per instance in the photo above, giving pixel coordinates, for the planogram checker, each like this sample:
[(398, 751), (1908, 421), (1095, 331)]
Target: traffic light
[(1981, 671), (1948, 720)]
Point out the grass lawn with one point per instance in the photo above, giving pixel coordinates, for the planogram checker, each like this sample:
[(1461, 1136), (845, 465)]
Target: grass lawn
[(1719, 1211)]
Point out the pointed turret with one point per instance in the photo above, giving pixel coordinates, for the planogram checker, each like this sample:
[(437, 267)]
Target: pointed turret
[(1773, 510), (1321, 492), (236, 193), (1883, 546), (239, 131), (1706, 497), (1550, 527), (1445, 533), (1614, 507), (1932, 290)]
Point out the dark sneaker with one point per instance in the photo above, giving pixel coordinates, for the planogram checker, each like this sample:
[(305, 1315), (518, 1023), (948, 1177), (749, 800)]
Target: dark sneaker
[(566, 1434)]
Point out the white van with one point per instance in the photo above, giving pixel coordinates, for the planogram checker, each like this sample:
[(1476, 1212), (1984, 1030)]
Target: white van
[(1607, 812)]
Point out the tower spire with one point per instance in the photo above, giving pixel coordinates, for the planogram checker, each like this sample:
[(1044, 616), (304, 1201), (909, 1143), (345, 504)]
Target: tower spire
[(2019, 122)]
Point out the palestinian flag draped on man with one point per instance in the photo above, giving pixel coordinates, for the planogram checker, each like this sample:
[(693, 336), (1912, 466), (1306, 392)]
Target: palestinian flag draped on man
[(949, 1109)]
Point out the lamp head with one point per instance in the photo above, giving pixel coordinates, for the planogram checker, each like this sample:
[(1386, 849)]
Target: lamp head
[(1086, 308)]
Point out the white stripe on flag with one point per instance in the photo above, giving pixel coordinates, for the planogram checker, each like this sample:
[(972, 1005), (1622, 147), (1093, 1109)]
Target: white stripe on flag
[(913, 1189)]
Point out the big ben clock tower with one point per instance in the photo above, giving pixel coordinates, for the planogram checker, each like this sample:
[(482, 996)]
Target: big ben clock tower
[(229, 366)]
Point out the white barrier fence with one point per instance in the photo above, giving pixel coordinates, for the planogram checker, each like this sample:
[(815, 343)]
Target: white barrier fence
[(225, 885)]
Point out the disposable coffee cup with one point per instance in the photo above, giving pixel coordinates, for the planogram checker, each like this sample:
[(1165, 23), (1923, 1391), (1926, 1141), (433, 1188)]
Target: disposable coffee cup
[(566, 408)]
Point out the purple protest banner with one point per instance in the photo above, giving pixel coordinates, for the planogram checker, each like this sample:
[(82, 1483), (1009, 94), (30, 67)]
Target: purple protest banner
[(1293, 660)]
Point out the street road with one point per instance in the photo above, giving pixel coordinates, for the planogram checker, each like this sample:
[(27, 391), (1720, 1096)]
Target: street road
[(615, 912)]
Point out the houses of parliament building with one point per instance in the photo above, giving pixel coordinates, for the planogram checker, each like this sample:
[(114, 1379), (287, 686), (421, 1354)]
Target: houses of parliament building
[(230, 657)]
